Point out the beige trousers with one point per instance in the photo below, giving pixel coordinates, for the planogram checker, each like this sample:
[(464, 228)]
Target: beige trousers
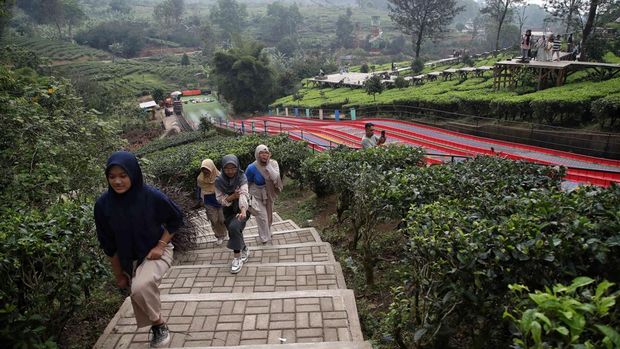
[(216, 217), (145, 288), (264, 217)]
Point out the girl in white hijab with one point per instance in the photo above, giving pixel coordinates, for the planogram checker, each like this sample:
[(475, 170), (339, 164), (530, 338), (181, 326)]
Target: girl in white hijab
[(264, 184)]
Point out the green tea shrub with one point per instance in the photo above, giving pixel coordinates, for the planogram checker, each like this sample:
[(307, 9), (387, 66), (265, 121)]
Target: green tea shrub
[(579, 315)]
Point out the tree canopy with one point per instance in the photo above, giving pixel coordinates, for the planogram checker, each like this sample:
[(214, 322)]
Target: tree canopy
[(344, 30), (243, 76), (130, 35), (60, 13), (423, 19), (169, 12), (230, 16), (281, 21), (373, 86), (499, 11)]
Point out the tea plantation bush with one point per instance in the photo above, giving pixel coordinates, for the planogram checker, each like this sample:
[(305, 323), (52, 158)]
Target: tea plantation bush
[(471, 229), (181, 164), (577, 315), (607, 111), (473, 249), (50, 261), (52, 151), (569, 105)]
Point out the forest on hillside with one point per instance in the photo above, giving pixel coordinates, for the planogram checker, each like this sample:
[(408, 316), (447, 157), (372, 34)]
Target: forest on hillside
[(284, 41)]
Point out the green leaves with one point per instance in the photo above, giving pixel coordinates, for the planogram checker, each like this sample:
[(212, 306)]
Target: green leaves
[(177, 159), (49, 261), (570, 315), (244, 78), (55, 147)]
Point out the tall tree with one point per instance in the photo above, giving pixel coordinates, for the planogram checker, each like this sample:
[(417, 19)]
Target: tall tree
[(373, 85), (521, 17), (185, 59), (230, 16), (5, 13), (73, 15), (169, 12), (344, 30), (243, 77), (281, 21), (499, 12), (477, 25), (569, 11), (59, 13), (423, 19), (207, 35), (587, 28), (572, 12), (44, 12)]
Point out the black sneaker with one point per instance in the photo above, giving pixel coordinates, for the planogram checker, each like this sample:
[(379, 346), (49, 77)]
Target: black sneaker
[(160, 336)]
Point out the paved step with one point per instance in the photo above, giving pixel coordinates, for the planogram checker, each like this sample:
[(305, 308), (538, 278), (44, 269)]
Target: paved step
[(207, 235), (273, 277), (200, 219), (322, 345), (286, 237), (247, 319), (304, 252)]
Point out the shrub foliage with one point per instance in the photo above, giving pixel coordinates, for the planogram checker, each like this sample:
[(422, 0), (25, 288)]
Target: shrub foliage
[(471, 229), (52, 151)]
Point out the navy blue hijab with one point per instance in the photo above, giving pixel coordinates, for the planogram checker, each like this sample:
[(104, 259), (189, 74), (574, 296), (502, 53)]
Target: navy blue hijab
[(131, 224)]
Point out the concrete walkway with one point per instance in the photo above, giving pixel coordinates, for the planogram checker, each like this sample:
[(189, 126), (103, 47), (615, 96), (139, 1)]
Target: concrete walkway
[(290, 292)]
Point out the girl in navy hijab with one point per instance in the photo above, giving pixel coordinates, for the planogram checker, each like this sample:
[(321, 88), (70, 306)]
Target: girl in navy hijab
[(135, 223)]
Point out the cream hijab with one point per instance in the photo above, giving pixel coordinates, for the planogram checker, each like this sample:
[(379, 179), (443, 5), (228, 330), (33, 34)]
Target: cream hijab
[(270, 171), (207, 183)]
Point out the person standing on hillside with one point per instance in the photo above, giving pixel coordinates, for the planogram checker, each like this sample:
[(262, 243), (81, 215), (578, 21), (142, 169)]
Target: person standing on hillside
[(541, 44), (370, 139), (526, 45), (557, 44), (231, 191), (206, 194), (264, 186), (135, 224)]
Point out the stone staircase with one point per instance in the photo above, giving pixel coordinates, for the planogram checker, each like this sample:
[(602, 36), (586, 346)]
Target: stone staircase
[(291, 292)]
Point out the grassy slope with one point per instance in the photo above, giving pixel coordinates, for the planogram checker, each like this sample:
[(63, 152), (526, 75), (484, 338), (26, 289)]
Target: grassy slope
[(60, 51), (134, 76), (450, 92)]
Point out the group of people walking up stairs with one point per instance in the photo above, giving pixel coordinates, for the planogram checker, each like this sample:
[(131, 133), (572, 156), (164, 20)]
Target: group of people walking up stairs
[(136, 223)]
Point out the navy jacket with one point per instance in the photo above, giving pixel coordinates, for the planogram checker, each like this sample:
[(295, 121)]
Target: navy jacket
[(131, 224)]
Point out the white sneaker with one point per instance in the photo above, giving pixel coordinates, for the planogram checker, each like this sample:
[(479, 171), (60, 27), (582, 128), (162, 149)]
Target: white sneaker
[(160, 336), (245, 254), (237, 264)]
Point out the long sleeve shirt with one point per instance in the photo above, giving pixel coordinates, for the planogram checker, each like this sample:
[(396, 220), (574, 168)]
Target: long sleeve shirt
[(243, 198)]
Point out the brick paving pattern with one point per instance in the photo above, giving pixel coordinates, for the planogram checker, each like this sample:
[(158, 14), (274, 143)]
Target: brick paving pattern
[(252, 278), (295, 236), (250, 231), (290, 292), (306, 252)]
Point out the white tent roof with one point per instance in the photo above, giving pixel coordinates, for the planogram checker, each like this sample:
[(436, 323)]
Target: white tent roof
[(176, 93), (148, 104)]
